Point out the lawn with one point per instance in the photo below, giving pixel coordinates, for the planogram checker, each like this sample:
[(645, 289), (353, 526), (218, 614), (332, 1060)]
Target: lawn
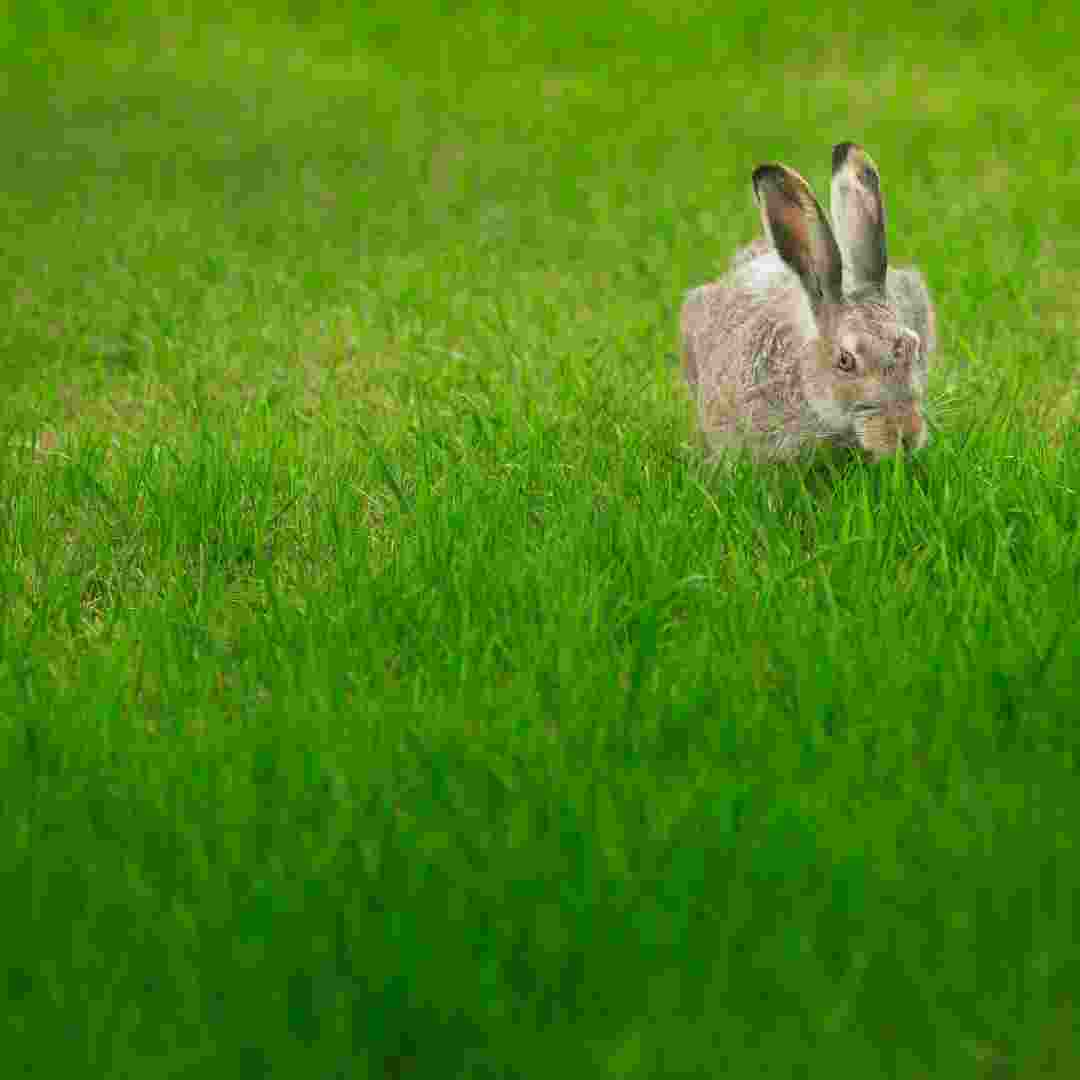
[(388, 685)]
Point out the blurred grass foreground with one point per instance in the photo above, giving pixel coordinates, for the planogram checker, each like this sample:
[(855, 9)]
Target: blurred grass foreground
[(388, 688)]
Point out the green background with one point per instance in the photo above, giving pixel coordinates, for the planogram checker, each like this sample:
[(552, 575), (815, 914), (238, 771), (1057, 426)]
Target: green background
[(387, 688)]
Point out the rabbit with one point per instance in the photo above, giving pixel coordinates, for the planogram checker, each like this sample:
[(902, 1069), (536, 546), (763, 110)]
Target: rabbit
[(810, 339)]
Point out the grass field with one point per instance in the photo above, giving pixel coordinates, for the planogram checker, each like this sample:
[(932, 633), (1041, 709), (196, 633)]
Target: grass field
[(387, 687)]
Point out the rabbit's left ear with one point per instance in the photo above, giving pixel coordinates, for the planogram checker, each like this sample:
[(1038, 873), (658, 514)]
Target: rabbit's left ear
[(858, 215), (795, 223)]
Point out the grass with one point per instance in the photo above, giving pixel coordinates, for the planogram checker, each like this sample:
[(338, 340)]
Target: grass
[(387, 687)]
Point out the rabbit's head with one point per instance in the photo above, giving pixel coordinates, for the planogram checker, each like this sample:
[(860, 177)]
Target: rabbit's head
[(863, 373)]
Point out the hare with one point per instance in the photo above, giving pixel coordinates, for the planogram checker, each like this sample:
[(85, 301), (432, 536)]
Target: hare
[(810, 339)]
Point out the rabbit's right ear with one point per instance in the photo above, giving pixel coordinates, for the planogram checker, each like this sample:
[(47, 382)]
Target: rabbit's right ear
[(859, 215), (800, 232)]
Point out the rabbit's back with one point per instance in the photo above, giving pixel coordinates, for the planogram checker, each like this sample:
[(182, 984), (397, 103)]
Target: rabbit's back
[(738, 324), (741, 335)]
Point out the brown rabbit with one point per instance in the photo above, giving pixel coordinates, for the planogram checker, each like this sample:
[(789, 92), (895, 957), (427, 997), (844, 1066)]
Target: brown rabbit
[(810, 338)]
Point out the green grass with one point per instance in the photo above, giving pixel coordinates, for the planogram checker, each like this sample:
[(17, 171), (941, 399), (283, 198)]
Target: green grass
[(387, 687)]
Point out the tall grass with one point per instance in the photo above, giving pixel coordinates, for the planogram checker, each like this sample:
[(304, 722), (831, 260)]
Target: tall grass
[(387, 686)]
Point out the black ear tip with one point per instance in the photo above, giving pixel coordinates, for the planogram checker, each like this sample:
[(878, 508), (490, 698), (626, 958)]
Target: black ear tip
[(840, 154), (765, 172)]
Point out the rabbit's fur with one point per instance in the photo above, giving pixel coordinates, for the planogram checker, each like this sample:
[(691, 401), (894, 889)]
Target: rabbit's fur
[(810, 338)]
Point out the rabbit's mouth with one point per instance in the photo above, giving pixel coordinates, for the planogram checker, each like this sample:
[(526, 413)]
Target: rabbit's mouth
[(883, 432)]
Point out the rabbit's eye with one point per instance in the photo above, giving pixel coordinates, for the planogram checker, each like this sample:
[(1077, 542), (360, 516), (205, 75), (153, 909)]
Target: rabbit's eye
[(846, 361)]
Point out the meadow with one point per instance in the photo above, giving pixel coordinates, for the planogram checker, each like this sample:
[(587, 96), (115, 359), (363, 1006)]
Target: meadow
[(388, 686)]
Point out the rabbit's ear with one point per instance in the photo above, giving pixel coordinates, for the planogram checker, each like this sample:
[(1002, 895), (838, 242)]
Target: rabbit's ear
[(800, 232), (859, 215)]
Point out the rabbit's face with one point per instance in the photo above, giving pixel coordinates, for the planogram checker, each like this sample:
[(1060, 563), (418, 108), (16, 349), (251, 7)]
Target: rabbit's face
[(866, 379)]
